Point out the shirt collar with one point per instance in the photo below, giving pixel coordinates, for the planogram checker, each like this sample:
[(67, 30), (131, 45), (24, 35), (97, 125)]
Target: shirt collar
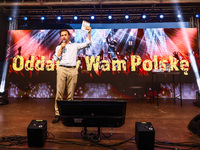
[(69, 42)]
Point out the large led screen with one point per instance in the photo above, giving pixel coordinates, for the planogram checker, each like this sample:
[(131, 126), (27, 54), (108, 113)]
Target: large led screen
[(118, 63)]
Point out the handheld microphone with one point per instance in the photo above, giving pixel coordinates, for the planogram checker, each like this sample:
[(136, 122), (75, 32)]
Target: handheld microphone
[(63, 47)]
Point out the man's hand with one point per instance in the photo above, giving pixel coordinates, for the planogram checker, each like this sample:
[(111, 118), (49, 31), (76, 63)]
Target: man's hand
[(175, 54), (89, 32), (88, 28), (63, 45)]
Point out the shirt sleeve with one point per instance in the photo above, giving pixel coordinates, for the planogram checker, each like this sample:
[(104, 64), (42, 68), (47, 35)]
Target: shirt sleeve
[(55, 56), (83, 45)]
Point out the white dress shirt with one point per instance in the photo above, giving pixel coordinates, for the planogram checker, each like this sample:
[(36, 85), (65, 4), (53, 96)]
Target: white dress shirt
[(69, 54)]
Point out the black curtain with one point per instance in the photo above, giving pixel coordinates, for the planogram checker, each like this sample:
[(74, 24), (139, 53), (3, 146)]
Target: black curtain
[(4, 25)]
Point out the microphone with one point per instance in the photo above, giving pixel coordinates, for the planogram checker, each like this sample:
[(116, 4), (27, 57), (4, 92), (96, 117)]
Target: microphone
[(63, 47)]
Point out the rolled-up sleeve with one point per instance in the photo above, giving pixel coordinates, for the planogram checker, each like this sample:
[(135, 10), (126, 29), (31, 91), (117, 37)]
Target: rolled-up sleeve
[(55, 56), (84, 45)]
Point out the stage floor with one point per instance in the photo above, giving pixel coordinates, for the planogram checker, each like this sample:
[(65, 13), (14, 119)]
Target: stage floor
[(169, 120)]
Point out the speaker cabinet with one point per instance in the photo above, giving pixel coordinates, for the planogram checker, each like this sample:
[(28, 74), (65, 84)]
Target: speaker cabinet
[(37, 133), (194, 125), (144, 135)]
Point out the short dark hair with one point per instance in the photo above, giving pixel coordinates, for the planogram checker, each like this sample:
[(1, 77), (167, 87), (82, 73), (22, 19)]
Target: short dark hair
[(64, 30)]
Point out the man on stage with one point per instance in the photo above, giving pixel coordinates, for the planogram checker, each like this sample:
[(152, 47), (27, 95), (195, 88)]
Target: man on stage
[(67, 72)]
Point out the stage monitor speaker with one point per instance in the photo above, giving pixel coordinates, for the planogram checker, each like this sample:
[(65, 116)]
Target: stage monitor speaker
[(37, 133), (144, 135), (194, 125)]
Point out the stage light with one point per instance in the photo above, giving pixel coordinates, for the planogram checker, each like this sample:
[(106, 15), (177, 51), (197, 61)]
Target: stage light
[(197, 16), (4, 97), (10, 18), (42, 18), (59, 18), (3, 91), (179, 16), (144, 16), (161, 16), (126, 16), (92, 17), (25, 18), (109, 17), (75, 17)]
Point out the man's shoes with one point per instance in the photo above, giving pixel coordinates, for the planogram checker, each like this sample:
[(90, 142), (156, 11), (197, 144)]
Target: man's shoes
[(56, 119)]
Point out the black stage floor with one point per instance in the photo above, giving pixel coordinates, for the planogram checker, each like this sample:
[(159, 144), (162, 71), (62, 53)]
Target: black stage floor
[(169, 120)]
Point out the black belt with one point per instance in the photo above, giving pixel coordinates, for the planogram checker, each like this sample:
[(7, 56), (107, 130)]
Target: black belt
[(68, 66)]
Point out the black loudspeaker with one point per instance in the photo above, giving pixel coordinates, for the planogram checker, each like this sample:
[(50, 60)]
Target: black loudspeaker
[(37, 133), (4, 98), (194, 125), (144, 135)]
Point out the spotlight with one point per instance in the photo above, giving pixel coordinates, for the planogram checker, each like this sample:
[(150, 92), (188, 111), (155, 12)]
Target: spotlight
[(92, 17), (59, 18), (161, 16), (197, 16), (25, 18), (10, 18), (144, 16), (126, 16), (109, 17), (179, 16), (4, 97), (75, 17), (42, 18)]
